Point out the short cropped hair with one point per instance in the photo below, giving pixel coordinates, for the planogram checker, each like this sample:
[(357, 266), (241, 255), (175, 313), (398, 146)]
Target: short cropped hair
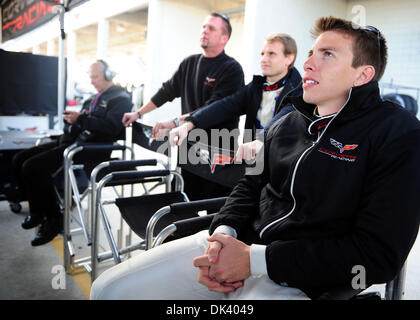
[(288, 42), (369, 45), (226, 23)]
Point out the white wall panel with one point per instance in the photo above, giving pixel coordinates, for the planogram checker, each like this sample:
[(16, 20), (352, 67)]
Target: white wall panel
[(399, 22)]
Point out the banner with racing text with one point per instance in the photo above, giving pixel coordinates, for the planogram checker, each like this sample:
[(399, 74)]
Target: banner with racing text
[(21, 16)]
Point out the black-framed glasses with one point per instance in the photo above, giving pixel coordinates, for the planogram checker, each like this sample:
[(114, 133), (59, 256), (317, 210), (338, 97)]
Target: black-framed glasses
[(378, 35)]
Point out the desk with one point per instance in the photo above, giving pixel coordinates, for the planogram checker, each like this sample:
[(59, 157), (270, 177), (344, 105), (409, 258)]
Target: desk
[(19, 140), (11, 142)]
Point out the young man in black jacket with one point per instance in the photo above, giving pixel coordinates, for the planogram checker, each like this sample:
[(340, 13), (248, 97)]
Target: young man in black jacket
[(339, 191), (98, 121), (263, 99), (200, 80)]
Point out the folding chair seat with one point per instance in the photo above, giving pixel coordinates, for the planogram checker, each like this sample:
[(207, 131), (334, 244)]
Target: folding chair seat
[(394, 290), (129, 208)]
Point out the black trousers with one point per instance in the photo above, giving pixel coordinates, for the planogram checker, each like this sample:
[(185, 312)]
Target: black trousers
[(197, 188), (33, 171)]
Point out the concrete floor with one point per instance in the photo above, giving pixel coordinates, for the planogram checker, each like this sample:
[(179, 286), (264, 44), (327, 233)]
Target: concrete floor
[(28, 272)]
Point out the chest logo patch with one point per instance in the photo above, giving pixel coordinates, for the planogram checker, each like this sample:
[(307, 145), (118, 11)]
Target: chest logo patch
[(342, 148), (209, 82)]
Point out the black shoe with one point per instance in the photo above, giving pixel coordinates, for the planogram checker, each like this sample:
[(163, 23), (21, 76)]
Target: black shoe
[(31, 222), (49, 229)]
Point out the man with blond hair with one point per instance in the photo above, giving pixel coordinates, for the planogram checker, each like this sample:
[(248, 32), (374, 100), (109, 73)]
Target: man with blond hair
[(263, 99)]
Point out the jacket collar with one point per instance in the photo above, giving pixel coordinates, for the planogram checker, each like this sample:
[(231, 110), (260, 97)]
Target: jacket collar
[(221, 55), (293, 78), (361, 100)]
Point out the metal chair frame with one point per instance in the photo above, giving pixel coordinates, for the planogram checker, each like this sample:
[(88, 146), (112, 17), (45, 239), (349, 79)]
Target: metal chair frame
[(116, 253), (84, 219), (71, 191)]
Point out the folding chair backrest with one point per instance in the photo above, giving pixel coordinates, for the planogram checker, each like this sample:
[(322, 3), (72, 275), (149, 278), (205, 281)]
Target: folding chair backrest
[(142, 135), (215, 164), (404, 100)]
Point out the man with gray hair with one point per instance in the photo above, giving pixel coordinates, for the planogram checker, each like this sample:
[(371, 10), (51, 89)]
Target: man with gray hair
[(33, 168)]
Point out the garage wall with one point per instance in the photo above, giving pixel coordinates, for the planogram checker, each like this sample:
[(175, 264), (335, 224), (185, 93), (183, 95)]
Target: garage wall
[(172, 20), (174, 29), (293, 17), (173, 33), (400, 24)]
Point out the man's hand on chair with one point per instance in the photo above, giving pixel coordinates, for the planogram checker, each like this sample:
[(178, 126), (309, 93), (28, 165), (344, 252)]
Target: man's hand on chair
[(177, 135), (225, 264), (129, 118), (161, 129)]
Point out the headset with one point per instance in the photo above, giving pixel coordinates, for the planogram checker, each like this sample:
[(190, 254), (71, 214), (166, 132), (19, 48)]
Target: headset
[(108, 73)]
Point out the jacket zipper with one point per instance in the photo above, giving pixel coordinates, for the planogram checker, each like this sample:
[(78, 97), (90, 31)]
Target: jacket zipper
[(284, 97), (296, 167)]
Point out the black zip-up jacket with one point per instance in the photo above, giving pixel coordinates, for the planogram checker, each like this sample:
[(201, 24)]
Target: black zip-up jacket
[(199, 81), (336, 192), (247, 100), (104, 124)]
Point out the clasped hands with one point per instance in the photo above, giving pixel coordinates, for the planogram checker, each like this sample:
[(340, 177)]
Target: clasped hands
[(225, 264)]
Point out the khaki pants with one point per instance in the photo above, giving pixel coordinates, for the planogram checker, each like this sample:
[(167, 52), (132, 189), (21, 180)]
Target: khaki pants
[(167, 273)]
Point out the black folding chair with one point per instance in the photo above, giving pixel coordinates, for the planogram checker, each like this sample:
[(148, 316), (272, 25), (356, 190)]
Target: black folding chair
[(78, 185), (139, 212), (135, 211), (74, 189)]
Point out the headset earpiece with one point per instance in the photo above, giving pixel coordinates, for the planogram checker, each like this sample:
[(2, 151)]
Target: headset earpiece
[(108, 73)]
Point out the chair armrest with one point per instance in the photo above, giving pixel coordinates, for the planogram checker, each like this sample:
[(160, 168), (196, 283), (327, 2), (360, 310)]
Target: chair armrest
[(192, 225), (101, 147), (183, 228), (211, 205), (121, 165), (124, 175)]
